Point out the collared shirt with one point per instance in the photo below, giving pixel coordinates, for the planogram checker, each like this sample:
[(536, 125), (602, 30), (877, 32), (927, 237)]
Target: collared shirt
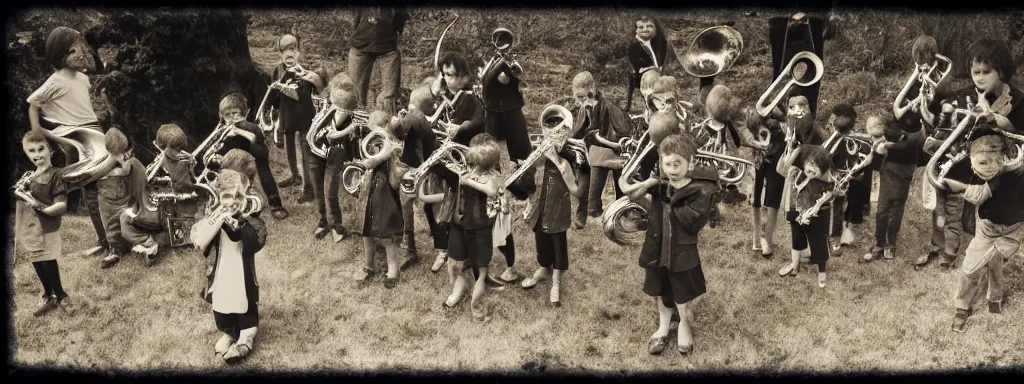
[(650, 49), (64, 99)]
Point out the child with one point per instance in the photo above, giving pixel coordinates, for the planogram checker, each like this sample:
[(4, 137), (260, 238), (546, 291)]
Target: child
[(680, 208), (470, 241), (897, 172), (663, 124), (63, 100), (382, 223), (549, 218), (124, 187), (847, 211), (814, 164), (768, 184), (605, 124), (37, 223), (246, 136), (1000, 225), (924, 52), (232, 242), (420, 143), (297, 110), (722, 124), (326, 173), (140, 228)]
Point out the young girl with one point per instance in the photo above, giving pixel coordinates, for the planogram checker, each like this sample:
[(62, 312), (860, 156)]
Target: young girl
[(549, 217), (680, 208), (232, 242), (470, 241), (63, 100), (37, 223), (768, 184), (848, 211), (382, 223), (815, 165)]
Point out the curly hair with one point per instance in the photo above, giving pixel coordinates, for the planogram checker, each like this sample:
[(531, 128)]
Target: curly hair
[(240, 161), (663, 124), (815, 154), (483, 152), (116, 142), (719, 102), (455, 60)]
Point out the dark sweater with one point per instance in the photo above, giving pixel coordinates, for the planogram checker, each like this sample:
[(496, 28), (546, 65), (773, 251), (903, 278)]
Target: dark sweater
[(500, 97), (381, 37), (1005, 207)]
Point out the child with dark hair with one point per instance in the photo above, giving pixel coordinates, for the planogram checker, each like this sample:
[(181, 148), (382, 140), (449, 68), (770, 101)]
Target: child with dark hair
[(900, 151), (680, 208), (420, 142), (848, 211), (246, 136), (995, 189), (814, 164), (37, 222), (768, 184), (297, 110), (326, 172), (124, 187), (455, 87), (64, 101)]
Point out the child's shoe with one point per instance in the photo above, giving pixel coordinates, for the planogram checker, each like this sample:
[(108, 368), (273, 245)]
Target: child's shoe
[(411, 258), (555, 296), (848, 237), (766, 248), (49, 304), (509, 276), (888, 253), (289, 182), (995, 307), (821, 279), (923, 260), (338, 234), (871, 256), (223, 344), (320, 232), (788, 270), (279, 213), (960, 319), (110, 261), (540, 275), (442, 256)]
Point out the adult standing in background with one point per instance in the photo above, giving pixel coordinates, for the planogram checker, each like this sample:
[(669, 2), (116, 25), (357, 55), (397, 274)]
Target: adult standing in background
[(649, 50), (374, 39)]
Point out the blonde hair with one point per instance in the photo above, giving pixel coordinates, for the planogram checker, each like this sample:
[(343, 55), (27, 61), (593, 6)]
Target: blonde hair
[(719, 102), (584, 80), (239, 161), (663, 124), (230, 180), (648, 79), (116, 142), (483, 152)]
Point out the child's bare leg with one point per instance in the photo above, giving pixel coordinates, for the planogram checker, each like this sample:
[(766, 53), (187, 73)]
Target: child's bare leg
[(556, 281), (478, 293), (664, 318), (459, 282), (757, 229), (368, 252), (685, 334), (769, 231), (392, 249)]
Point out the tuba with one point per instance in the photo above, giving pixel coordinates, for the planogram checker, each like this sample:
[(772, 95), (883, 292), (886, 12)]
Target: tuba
[(353, 173), (625, 217), (804, 70), (925, 77), (94, 161), (713, 50), (21, 188)]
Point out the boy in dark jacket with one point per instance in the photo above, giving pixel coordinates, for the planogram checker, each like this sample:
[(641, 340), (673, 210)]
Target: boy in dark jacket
[(901, 151)]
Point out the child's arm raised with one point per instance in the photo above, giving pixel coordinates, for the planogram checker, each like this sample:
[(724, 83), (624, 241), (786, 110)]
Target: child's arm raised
[(482, 183), (350, 129), (33, 117), (566, 171), (638, 190)]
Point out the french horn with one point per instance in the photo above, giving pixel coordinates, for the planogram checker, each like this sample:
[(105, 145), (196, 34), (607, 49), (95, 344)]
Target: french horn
[(353, 173), (731, 169), (625, 217), (712, 51), (326, 122), (842, 185), (926, 78), (94, 161), (804, 69)]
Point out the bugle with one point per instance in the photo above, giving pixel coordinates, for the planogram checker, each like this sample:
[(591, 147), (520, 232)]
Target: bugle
[(712, 51)]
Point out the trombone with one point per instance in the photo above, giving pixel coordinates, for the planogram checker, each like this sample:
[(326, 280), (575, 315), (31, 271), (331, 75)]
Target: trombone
[(804, 69)]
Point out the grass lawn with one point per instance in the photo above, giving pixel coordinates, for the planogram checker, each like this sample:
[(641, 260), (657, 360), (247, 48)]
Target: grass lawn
[(877, 316)]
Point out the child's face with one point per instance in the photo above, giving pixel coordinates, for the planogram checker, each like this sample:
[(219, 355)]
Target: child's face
[(583, 96), (798, 106), (645, 29), (171, 153), (674, 166), (290, 56), (874, 127), (985, 77), (986, 164), (230, 199), (232, 115), (77, 56), (812, 170), (38, 152), (455, 82)]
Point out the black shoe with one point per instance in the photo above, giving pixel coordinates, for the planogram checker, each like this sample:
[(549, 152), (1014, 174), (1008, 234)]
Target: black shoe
[(152, 260), (411, 258), (995, 307), (279, 213), (49, 304), (289, 182), (110, 261), (320, 232), (579, 220), (960, 320)]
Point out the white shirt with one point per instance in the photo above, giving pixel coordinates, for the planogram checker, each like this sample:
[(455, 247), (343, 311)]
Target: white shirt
[(647, 43), (64, 99)]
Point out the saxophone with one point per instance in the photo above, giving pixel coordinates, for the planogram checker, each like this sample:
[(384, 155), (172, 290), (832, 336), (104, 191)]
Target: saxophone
[(21, 188), (843, 184)]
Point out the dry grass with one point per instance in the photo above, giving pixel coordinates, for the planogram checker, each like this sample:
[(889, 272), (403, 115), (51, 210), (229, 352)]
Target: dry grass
[(879, 316)]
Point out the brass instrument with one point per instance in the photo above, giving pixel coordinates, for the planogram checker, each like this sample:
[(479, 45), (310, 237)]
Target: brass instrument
[(326, 122), (926, 77), (804, 70), (712, 51), (153, 168), (955, 147), (557, 123), (503, 41), (713, 153), (450, 153), (94, 161), (21, 188), (353, 173), (207, 151), (625, 217), (267, 116), (843, 184)]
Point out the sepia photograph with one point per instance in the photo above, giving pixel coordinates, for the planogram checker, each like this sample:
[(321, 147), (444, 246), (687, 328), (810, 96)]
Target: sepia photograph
[(515, 191)]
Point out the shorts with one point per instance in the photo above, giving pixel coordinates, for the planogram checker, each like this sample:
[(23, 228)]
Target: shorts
[(475, 245), (768, 184), (682, 287), (510, 127)]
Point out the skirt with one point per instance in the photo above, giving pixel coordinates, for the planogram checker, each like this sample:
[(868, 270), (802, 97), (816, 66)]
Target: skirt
[(383, 216), (681, 287)]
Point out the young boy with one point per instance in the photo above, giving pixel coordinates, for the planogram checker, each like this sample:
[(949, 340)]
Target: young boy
[(37, 222), (1000, 228), (604, 125), (420, 143), (141, 227), (246, 136), (232, 242), (680, 208), (720, 112), (326, 173), (297, 111), (124, 187), (897, 171), (768, 183), (847, 211), (63, 100)]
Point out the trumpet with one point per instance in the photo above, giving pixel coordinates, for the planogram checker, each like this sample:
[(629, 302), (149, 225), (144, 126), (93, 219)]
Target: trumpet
[(503, 41), (557, 122), (21, 190), (955, 148), (712, 51), (804, 70), (353, 173), (926, 77), (841, 187)]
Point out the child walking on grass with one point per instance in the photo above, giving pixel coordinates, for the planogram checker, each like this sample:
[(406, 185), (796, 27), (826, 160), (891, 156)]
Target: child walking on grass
[(814, 163), (382, 223), (37, 222)]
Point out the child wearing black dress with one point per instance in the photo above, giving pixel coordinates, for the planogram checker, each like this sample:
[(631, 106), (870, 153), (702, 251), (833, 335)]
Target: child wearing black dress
[(809, 170), (680, 208), (382, 223)]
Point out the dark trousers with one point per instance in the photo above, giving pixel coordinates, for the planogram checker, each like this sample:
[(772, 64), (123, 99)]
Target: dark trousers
[(593, 184), (815, 236), (892, 200), (552, 250), (509, 250), (233, 323), (49, 276), (326, 181), (438, 232), (293, 162), (261, 154), (360, 67)]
